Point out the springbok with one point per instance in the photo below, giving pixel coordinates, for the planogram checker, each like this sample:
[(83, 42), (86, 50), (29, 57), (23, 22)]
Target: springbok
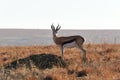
[(61, 41)]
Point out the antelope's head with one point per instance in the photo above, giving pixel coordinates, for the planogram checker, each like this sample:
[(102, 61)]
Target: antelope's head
[(55, 30)]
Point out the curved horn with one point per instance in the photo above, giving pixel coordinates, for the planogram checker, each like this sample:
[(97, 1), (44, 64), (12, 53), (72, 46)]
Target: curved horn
[(52, 27), (58, 27)]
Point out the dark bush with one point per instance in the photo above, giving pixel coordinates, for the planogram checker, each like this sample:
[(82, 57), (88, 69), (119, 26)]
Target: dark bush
[(42, 61)]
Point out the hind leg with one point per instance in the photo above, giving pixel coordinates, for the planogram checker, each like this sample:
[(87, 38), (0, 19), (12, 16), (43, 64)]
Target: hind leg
[(84, 54), (79, 43)]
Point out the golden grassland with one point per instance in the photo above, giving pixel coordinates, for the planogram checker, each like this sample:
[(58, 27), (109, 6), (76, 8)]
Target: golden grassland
[(103, 63)]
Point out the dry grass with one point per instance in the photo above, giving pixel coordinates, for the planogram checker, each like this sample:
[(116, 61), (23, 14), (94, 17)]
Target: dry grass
[(103, 63)]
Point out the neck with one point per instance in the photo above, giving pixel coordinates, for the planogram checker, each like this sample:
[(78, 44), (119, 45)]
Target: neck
[(54, 35)]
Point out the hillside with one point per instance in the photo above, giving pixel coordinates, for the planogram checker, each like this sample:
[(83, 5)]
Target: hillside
[(103, 63)]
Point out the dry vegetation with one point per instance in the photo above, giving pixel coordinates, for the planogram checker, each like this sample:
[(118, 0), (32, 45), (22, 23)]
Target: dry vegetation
[(103, 63)]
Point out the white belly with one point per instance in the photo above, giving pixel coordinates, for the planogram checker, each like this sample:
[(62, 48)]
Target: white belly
[(72, 44)]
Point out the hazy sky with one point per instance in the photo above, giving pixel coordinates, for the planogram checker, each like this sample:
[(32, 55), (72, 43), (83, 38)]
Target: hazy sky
[(70, 14)]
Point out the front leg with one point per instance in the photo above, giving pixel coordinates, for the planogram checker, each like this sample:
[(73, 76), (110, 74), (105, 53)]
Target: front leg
[(61, 51)]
